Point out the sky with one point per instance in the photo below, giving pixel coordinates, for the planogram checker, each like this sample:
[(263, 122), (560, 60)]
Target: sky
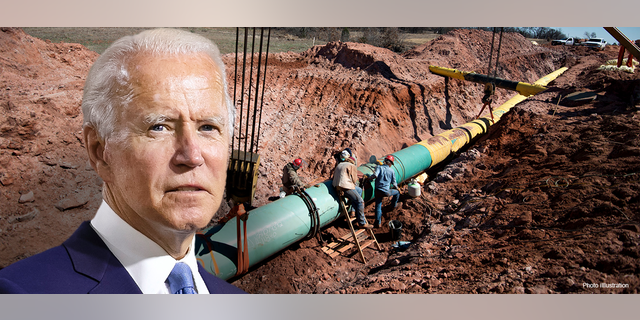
[(632, 33)]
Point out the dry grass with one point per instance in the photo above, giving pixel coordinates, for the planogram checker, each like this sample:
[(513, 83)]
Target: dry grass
[(410, 40), (416, 39), (98, 39)]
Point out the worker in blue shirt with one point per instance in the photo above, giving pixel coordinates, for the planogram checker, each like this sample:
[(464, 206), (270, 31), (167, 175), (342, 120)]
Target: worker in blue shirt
[(385, 177)]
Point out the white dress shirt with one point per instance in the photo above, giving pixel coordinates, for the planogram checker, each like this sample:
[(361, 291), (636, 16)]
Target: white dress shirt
[(147, 263)]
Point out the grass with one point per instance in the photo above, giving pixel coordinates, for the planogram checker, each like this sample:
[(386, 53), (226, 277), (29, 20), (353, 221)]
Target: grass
[(416, 39), (98, 39)]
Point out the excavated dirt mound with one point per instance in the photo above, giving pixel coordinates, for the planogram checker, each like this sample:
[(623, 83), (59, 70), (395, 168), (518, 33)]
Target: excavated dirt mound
[(545, 202), (47, 186)]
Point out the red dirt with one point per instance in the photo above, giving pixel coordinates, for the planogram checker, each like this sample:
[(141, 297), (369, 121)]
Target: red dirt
[(544, 203)]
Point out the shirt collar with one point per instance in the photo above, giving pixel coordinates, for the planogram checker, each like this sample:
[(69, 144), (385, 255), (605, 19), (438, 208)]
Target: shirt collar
[(148, 264)]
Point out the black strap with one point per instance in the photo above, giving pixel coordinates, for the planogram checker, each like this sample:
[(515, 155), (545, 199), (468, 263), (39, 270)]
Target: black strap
[(314, 214)]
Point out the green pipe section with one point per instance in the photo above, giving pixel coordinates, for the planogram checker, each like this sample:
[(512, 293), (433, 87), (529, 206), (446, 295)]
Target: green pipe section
[(270, 228), (523, 88), (277, 225)]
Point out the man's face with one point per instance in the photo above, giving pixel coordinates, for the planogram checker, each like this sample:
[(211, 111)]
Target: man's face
[(168, 159)]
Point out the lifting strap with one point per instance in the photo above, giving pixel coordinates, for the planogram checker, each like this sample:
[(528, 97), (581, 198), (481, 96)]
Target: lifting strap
[(313, 213), (240, 213), (213, 259)]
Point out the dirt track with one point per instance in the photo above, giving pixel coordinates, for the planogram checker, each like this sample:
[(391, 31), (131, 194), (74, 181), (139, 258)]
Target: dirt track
[(544, 203)]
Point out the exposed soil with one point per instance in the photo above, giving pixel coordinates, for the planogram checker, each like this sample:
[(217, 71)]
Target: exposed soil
[(546, 202)]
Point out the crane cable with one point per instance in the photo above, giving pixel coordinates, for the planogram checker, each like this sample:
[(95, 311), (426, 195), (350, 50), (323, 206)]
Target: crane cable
[(489, 91), (490, 87), (495, 71)]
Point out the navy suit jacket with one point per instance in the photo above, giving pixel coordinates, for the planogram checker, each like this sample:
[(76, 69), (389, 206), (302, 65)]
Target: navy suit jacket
[(82, 264)]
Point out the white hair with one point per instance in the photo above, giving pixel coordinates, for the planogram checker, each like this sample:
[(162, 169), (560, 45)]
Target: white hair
[(108, 83)]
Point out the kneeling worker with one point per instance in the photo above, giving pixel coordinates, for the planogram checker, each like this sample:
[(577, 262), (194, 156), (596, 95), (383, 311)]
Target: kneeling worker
[(290, 178), (385, 177), (345, 179)]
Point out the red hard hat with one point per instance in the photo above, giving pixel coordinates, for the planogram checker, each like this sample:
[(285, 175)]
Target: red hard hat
[(390, 158), (297, 162)]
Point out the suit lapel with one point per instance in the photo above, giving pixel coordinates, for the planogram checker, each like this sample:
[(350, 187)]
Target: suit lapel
[(216, 285), (92, 258), (209, 279)]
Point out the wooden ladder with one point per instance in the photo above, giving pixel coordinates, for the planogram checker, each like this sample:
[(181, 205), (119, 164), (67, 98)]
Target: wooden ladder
[(361, 238)]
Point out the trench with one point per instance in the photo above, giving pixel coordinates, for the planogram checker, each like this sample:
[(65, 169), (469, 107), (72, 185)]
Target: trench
[(273, 227)]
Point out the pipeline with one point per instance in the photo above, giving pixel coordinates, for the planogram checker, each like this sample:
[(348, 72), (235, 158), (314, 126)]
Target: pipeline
[(275, 226), (523, 88)]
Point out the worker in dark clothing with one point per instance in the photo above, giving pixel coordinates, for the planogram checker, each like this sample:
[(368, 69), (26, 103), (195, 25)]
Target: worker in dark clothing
[(385, 178), (290, 178)]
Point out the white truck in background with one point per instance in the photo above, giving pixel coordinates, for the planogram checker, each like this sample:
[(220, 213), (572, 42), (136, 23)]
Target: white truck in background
[(566, 42)]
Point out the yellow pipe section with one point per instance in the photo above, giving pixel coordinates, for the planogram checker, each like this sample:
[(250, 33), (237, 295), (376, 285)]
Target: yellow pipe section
[(523, 88), (447, 72), (550, 77), (447, 142)]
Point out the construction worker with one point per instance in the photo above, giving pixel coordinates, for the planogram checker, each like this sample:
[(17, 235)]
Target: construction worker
[(385, 178), (290, 178), (352, 156), (338, 155), (345, 179)]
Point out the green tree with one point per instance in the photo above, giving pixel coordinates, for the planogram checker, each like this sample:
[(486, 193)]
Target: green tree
[(344, 37)]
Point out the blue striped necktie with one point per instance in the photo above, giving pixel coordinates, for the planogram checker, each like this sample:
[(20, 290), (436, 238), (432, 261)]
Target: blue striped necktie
[(181, 280)]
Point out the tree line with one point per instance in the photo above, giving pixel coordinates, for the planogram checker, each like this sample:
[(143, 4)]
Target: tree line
[(392, 38)]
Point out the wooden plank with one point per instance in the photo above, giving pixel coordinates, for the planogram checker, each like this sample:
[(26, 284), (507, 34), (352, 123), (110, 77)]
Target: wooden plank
[(354, 238), (337, 249), (366, 243), (327, 250), (349, 235), (345, 248), (331, 247), (333, 244)]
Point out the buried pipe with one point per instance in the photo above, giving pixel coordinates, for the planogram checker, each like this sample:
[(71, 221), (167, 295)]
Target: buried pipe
[(275, 226)]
